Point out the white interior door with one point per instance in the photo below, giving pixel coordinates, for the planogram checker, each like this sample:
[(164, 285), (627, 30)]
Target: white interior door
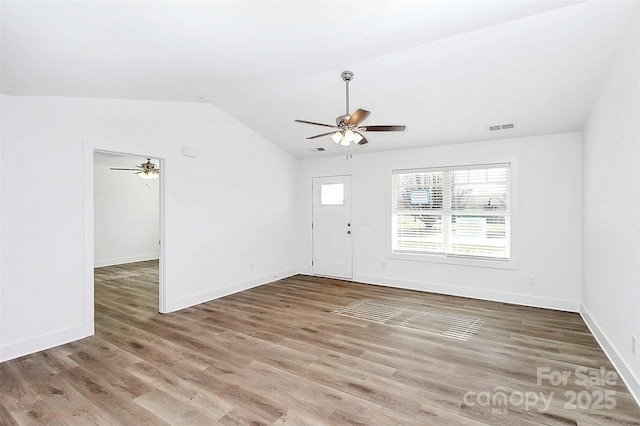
[(332, 228)]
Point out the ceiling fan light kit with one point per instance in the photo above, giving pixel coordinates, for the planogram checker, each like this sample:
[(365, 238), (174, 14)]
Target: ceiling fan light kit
[(149, 175), (337, 137), (347, 137), (348, 125)]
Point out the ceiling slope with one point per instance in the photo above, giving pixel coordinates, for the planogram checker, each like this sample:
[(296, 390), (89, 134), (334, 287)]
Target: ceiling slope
[(445, 69)]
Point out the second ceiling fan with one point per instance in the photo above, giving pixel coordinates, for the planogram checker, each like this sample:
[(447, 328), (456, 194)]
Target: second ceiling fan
[(348, 129), (146, 170)]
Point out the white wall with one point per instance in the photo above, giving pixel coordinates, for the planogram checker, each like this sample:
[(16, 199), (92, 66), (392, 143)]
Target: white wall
[(546, 222), (1, 227), (611, 213), (228, 208), (126, 212)]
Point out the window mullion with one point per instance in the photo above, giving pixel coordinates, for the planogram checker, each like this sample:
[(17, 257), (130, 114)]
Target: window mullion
[(425, 201), (447, 191)]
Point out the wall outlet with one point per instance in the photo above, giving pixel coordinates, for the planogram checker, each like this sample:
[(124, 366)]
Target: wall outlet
[(252, 267), (531, 280), (383, 266), (634, 345)]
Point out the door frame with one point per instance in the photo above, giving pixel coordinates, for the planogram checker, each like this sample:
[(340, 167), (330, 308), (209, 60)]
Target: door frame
[(89, 239), (353, 234)]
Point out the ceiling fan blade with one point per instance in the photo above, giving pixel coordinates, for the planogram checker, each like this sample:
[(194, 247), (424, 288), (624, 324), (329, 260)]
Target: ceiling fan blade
[(357, 117), (117, 168), (319, 136), (383, 128), (316, 124), (363, 141)]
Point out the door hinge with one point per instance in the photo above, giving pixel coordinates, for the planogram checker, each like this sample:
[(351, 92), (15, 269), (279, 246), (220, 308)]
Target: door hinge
[(312, 263)]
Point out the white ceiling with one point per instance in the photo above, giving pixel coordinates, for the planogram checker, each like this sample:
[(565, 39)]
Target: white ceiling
[(444, 68)]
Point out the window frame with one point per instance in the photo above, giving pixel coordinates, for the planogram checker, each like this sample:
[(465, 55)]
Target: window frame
[(443, 258)]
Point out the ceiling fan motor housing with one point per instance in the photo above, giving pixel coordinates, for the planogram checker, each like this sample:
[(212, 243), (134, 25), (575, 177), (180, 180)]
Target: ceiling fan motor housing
[(341, 121)]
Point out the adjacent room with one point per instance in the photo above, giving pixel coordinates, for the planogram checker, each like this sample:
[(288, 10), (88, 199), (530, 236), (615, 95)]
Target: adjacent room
[(287, 212)]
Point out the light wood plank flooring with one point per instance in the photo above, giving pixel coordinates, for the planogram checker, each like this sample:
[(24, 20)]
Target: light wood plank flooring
[(277, 354)]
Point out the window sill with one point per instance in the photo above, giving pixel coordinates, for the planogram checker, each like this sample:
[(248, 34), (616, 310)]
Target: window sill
[(459, 261)]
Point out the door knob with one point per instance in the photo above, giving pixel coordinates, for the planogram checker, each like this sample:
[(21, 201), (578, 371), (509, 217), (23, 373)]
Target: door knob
[(348, 232), (348, 224)]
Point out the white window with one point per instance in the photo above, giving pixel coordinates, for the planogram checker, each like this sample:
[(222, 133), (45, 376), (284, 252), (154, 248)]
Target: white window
[(453, 212), (332, 194)]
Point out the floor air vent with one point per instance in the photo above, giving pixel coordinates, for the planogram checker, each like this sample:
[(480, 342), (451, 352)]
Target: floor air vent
[(458, 327), (447, 324), (371, 311)]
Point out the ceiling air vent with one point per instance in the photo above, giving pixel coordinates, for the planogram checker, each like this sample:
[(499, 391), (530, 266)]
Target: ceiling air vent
[(501, 127)]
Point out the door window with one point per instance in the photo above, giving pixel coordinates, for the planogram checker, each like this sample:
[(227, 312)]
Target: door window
[(332, 194)]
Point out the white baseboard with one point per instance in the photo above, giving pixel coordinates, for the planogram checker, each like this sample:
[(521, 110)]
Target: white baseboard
[(475, 293), (185, 302), (627, 375), (40, 343), (123, 260)]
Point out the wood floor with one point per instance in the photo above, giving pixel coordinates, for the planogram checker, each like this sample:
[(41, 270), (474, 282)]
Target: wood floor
[(278, 354)]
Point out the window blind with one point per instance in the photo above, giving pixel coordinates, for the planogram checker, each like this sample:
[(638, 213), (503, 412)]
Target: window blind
[(452, 211)]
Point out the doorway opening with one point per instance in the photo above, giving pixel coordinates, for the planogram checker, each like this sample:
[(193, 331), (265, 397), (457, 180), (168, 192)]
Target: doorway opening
[(127, 232)]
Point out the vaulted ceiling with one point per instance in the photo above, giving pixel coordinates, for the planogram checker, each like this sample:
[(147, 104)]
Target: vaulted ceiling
[(447, 69)]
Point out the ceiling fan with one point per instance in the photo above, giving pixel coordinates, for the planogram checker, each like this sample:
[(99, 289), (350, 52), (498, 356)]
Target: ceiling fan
[(146, 170), (348, 129)]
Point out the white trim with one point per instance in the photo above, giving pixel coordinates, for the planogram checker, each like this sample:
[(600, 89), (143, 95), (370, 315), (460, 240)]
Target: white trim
[(512, 263), (88, 240), (128, 259), (305, 270), (453, 260), (89, 255), (41, 343), (185, 302), (566, 305), (626, 373), (162, 287), (47, 341), (474, 293)]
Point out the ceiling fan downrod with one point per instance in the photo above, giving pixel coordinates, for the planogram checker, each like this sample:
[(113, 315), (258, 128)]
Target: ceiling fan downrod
[(347, 76)]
